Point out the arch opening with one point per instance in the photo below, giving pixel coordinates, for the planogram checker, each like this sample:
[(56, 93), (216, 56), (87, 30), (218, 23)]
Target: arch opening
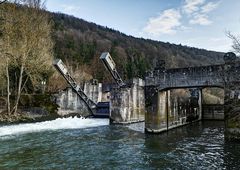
[(213, 103)]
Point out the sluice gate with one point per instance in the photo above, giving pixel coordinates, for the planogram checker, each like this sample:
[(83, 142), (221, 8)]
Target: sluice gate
[(95, 109)]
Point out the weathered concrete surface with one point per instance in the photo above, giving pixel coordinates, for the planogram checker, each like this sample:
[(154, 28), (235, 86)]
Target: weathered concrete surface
[(93, 90), (156, 111), (171, 108), (121, 105), (127, 104), (186, 77), (232, 101), (69, 102)]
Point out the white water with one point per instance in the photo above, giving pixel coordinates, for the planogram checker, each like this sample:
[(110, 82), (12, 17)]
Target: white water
[(60, 123)]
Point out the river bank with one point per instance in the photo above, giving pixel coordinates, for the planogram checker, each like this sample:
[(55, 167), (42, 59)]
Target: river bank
[(32, 108), (7, 119), (32, 117)]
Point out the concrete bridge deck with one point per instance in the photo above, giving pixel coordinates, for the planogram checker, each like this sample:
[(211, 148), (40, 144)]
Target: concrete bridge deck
[(205, 76)]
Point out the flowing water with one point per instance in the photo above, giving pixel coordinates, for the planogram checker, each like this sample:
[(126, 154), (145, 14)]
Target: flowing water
[(76, 143)]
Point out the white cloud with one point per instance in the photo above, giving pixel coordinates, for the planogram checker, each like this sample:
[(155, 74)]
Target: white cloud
[(200, 19), (70, 9), (209, 7), (166, 23), (194, 12), (198, 11), (191, 6)]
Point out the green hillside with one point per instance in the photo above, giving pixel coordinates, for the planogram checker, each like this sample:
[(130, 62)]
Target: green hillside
[(80, 44)]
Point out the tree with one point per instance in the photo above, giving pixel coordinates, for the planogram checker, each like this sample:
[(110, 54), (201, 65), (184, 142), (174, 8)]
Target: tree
[(236, 41), (26, 43), (5, 44)]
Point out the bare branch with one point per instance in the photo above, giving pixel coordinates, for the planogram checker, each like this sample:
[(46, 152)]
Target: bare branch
[(236, 41), (1, 2)]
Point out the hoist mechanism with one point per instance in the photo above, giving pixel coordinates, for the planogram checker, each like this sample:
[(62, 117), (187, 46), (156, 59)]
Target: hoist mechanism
[(111, 67), (91, 105)]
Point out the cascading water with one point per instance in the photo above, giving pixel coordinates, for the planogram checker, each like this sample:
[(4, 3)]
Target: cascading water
[(60, 123)]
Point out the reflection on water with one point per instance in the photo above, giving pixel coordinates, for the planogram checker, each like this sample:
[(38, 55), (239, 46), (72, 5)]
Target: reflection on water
[(197, 146)]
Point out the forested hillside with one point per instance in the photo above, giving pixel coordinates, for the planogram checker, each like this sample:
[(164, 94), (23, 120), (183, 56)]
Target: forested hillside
[(80, 44)]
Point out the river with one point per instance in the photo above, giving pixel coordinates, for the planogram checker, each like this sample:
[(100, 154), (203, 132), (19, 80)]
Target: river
[(76, 143)]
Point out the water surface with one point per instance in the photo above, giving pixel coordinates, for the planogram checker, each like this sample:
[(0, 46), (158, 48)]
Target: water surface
[(75, 143)]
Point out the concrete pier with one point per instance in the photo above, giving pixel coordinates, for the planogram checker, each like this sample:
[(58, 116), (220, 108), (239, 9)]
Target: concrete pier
[(127, 104), (232, 101), (172, 108)]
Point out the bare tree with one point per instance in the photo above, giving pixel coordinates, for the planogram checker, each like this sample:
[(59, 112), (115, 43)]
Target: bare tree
[(7, 15), (26, 36)]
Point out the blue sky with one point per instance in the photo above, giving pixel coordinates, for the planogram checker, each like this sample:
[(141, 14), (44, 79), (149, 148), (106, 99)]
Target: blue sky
[(196, 23)]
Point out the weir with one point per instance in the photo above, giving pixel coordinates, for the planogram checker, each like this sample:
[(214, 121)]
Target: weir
[(161, 113), (160, 101), (122, 103)]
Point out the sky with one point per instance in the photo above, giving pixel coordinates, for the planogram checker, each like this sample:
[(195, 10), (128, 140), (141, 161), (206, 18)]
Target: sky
[(195, 23)]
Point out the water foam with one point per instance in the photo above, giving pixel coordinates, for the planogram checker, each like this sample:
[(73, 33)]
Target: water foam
[(57, 124)]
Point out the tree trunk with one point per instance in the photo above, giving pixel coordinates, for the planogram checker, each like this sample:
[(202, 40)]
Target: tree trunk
[(19, 89), (8, 90)]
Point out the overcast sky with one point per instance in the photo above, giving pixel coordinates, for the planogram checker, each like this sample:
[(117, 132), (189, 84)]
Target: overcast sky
[(196, 23)]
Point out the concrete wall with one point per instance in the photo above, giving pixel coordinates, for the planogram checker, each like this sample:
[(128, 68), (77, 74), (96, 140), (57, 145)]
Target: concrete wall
[(105, 96), (128, 103), (69, 102), (93, 90), (232, 113), (232, 101), (165, 110)]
